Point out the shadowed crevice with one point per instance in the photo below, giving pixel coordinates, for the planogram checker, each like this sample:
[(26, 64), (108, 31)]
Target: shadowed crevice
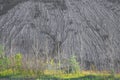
[(6, 5)]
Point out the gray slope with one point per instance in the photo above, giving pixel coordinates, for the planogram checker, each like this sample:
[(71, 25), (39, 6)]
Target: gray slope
[(89, 29)]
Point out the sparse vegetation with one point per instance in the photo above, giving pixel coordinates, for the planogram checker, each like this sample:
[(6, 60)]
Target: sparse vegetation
[(13, 68), (60, 39)]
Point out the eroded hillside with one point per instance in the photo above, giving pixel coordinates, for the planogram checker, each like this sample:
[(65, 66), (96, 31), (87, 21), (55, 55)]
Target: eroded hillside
[(89, 29)]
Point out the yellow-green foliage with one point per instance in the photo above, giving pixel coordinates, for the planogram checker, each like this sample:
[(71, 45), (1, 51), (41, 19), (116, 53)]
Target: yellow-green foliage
[(18, 59), (7, 62), (8, 72), (61, 75), (4, 61)]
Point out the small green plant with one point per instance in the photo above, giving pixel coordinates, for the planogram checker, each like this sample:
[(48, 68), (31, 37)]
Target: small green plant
[(18, 60), (4, 61), (17, 65), (15, 62), (74, 65), (112, 74)]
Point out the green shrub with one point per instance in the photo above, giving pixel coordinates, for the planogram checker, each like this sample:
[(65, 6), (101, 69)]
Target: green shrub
[(112, 74), (18, 60), (4, 61), (73, 65)]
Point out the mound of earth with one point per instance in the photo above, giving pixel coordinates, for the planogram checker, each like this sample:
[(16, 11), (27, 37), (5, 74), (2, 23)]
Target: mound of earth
[(89, 29)]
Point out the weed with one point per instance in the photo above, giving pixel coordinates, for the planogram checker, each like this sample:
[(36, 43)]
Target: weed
[(74, 65)]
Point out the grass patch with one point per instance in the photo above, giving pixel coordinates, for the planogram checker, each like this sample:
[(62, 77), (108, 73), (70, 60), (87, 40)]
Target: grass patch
[(57, 75)]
